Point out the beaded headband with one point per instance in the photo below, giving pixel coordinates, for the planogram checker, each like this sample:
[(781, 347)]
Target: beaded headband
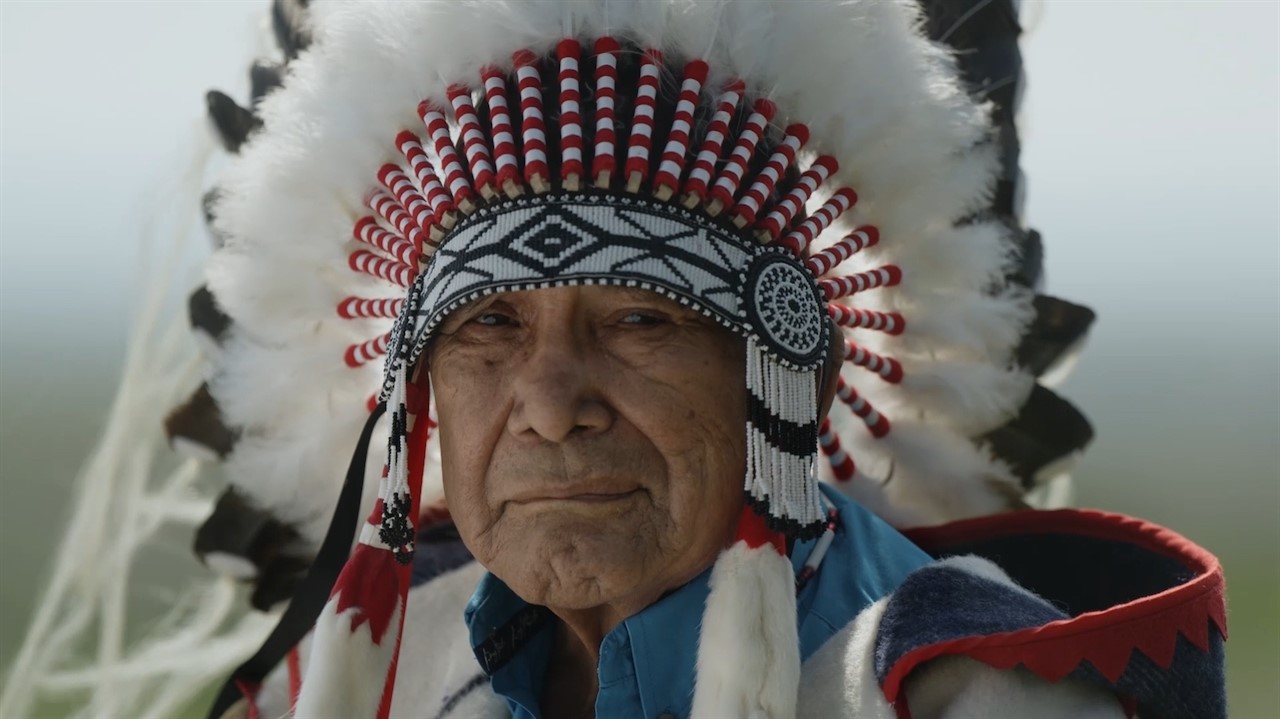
[(724, 234)]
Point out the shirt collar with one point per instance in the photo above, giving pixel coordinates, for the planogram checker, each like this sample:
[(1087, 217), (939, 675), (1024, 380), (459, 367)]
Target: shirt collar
[(649, 658), (647, 663)]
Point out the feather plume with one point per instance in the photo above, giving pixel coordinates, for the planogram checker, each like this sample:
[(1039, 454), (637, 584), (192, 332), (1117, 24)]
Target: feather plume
[(906, 134)]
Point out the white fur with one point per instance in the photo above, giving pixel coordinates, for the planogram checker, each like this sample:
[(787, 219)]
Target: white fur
[(957, 687), (839, 680), (748, 652), (964, 688), (435, 656), (346, 671)]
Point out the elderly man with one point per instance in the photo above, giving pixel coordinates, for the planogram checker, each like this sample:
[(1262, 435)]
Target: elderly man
[(606, 487), (631, 238)]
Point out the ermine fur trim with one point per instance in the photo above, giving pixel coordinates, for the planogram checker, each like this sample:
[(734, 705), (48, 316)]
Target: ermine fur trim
[(749, 651)]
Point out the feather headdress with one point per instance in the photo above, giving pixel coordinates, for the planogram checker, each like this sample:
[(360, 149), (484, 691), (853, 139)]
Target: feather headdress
[(827, 151)]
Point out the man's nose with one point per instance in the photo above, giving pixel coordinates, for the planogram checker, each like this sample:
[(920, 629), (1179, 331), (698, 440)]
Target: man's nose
[(556, 393)]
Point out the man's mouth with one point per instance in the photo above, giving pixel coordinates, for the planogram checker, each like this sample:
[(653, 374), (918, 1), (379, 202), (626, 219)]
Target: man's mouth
[(583, 496)]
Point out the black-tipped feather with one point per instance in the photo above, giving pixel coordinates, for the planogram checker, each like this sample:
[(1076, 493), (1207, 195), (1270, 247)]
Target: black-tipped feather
[(984, 34), (287, 21), (237, 529), (1047, 429), (264, 76), (234, 123), (232, 529), (279, 556), (198, 422), (1029, 270), (278, 581), (205, 315), (1058, 328), (207, 203)]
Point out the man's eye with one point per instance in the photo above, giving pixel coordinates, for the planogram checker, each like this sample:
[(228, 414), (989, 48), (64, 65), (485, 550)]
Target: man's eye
[(494, 319), (643, 319)]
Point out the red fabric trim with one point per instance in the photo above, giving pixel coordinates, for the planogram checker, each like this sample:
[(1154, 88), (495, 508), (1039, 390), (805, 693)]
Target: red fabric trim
[(753, 530), (1104, 638), (900, 707), (294, 664), (375, 514), (366, 584), (250, 692)]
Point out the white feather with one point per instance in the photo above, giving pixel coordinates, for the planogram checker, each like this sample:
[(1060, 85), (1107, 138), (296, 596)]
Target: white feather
[(948, 329), (943, 477), (971, 397)]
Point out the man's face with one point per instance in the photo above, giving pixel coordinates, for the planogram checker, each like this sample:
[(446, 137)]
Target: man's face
[(592, 441)]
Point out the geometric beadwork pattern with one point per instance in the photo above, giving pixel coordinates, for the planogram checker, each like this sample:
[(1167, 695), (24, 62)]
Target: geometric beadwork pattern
[(783, 304), (618, 240)]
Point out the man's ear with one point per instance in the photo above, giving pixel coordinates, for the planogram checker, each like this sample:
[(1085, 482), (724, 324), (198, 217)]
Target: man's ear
[(830, 370)]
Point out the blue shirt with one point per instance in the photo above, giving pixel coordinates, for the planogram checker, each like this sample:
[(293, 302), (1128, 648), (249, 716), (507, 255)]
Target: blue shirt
[(647, 662)]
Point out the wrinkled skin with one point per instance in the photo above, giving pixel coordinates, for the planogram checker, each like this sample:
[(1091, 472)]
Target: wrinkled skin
[(593, 451), (592, 444)]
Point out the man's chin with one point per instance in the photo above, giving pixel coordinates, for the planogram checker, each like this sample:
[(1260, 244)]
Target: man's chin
[(572, 565)]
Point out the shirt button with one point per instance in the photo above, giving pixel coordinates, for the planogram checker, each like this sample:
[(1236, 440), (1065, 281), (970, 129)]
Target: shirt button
[(666, 715)]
